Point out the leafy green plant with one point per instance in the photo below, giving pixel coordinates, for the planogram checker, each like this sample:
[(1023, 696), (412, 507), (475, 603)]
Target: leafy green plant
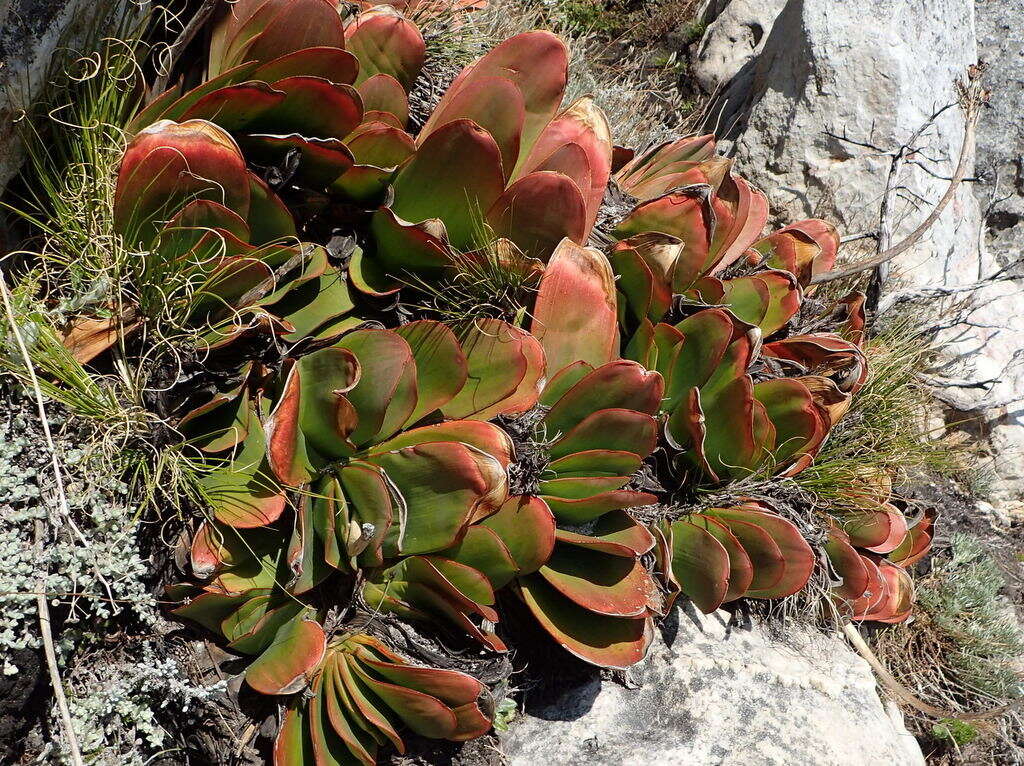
[(556, 440)]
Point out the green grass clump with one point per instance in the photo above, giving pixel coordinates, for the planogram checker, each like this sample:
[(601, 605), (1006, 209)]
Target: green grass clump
[(887, 429), (954, 731)]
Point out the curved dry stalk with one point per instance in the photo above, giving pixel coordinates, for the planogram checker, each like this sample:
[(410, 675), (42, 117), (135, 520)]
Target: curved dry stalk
[(972, 99), (908, 697), (45, 632)]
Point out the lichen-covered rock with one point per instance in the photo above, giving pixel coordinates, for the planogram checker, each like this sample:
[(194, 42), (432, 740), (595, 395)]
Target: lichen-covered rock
[(806, 88), (713, 693), (33, 34)]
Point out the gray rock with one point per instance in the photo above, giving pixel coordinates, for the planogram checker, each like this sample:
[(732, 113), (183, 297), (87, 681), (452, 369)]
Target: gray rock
[(797, 107), (713, 694), (33, 35)]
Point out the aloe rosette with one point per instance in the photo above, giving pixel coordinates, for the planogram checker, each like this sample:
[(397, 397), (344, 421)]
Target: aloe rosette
[(288, 79), (185, 198)]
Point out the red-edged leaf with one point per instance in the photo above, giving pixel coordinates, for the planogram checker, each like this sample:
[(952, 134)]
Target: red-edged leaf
[(575, 316), (386, 43), (284, 666), (526, 527), (614, 642), (700, 564), (538, 211), (615, 385), (455, 177)]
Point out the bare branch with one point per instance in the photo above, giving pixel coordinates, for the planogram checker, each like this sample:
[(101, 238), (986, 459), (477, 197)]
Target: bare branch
[(972, 98), (173, 52)]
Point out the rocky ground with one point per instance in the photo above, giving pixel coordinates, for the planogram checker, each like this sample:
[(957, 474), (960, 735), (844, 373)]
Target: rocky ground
[(810, 95)]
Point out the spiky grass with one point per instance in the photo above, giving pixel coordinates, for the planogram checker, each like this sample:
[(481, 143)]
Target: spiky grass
[(890, 428), (74, 264)]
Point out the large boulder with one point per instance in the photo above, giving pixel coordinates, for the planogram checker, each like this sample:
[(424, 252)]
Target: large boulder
[(34, 36), (811, 94), (712, 693)]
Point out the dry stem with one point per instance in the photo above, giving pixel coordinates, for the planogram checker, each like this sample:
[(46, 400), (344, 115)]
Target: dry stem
[(972, 97)]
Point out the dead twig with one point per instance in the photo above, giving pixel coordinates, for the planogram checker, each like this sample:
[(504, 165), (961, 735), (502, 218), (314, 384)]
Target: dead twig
[(173, 52), (45, 631), (908, 697), (972, 97)]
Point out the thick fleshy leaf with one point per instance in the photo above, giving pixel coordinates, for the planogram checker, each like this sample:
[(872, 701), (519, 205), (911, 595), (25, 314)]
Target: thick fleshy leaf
[(383, 93), (741, 212), (617, 385), (684, 214), (385, 395), (386, 43), (368, 705), (799, 426), (269, 218), (824, 354), (321, 160), (653, 162), (292, 746), (737, 430), (879, 531), (168, 165), (700, 564), (329, 63), (575, 315), (423, 713), (494, 104), (741, 569), (609, 585), (333, 731), (614, 642), (796, 555), (579, 487), (284, 666), (804, 248), (581, 125), (537, 63), (455, 177), (242, 492), (263, 31), (482, 549), (589, 464), (444, 485), (526, 528), (576, 512), (538, 211), (849, 565), (441, 368), (767, 562), (616, 533), (485, 437), (643, 265), (505, 369)]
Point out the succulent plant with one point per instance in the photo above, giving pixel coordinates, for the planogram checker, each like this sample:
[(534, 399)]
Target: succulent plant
[(363, 694), (373, 463), (723, 554), (496, 160), (186, 199), (299, 89)]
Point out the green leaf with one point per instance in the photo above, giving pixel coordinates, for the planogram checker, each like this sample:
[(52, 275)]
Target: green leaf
[(611, 642), (297, 648)]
